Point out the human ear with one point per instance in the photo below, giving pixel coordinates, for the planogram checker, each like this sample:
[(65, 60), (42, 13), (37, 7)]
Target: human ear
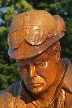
[(56, 52)]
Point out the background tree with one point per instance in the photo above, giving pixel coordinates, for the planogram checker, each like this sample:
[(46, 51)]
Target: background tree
[(8, 10)]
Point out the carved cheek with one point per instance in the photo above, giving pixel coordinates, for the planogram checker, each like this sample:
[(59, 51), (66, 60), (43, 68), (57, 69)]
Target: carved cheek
[(24, 74), (42, 70), (48, 71)]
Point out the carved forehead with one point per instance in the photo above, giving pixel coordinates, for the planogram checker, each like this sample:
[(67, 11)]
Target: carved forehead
[(31, 60), (44, 56)]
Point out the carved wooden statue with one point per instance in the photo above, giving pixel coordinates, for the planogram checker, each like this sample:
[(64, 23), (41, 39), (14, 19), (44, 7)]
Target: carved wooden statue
[(46, 79)]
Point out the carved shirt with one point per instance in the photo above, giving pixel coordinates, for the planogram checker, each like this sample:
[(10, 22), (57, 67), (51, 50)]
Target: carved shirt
[(16, 97)]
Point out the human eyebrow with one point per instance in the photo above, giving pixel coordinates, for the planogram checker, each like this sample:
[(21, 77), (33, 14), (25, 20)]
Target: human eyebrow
[(22, 66), (20, 62), (39, 62)]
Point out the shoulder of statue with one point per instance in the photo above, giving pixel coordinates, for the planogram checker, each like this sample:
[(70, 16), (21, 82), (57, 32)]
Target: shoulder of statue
[(6, 100), (8, 96), (67, 81), (13, 89)]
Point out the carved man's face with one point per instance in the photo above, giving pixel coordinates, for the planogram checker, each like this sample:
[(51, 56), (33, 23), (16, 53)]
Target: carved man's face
[(38, 73)]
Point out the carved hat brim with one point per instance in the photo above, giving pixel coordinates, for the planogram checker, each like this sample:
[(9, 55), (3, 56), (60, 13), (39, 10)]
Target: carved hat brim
[(25, 50)]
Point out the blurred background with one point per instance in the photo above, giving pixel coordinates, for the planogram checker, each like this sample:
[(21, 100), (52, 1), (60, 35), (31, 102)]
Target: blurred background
[(8, 10)]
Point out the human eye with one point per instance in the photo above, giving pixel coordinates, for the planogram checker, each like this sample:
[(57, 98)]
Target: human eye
[(40, 63), (22, 67)]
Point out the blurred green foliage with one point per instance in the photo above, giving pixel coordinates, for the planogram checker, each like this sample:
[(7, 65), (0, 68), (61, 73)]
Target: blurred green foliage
[(8, 10)]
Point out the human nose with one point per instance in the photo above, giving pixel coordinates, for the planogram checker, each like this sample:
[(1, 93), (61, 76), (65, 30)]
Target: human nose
[(32, 71)]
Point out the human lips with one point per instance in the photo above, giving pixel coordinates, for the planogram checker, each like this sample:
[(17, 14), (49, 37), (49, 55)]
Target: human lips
[(35, 81), (35, 84)]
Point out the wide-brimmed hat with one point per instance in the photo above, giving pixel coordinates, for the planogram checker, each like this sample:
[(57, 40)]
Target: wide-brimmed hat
[(33, 32)]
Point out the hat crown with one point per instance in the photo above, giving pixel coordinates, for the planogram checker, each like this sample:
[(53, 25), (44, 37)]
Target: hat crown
[(33, 32), (32, 26)]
